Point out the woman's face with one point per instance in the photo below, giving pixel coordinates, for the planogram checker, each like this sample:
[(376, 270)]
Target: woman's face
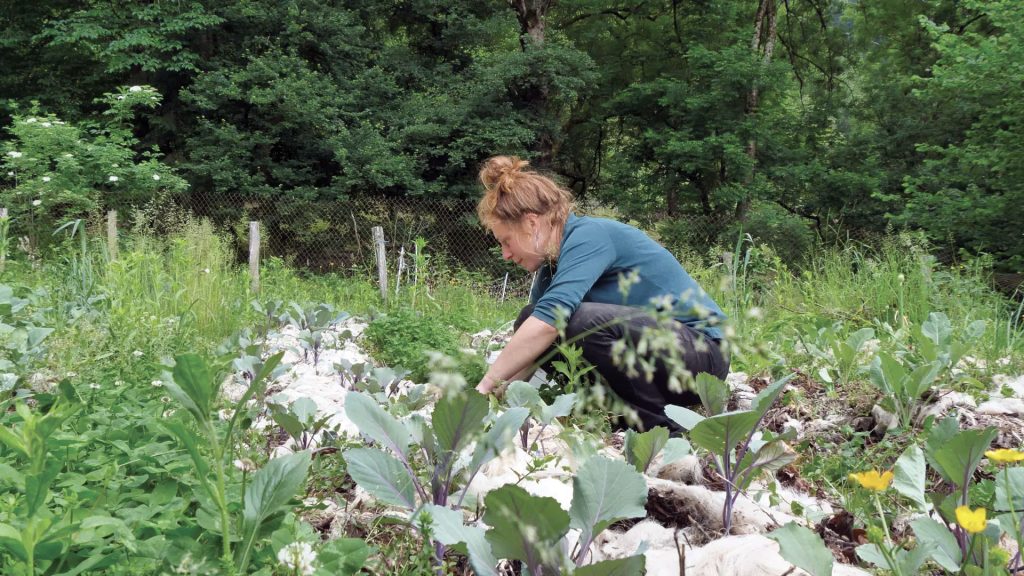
[(520, 242)]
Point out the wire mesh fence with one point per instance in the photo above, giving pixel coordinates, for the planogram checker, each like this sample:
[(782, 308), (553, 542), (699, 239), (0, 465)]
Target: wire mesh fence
[(335, 235)]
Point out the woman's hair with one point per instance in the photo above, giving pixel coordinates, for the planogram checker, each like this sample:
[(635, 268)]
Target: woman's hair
[(510, 192)]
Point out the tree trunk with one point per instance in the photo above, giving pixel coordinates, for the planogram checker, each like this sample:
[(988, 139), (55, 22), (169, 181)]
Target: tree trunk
[(530, 14), (531, 20), (762, 43)]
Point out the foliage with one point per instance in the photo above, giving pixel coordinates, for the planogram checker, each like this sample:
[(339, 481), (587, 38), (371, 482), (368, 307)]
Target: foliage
[(403, 337), (59, 170), (734, 439)]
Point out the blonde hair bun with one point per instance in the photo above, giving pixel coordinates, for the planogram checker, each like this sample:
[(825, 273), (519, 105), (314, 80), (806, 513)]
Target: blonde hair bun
[(511, 191), (499, 172)]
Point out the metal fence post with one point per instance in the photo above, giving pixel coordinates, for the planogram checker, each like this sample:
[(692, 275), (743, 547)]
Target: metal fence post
[(254, 256), (382, 262)]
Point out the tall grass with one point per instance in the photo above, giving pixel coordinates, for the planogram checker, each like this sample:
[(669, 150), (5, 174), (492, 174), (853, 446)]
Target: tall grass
[(896, 282), (185, 288)]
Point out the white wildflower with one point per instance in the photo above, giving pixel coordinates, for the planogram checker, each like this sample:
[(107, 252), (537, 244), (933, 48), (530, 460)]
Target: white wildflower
[(31, 121), (135, 89), (755, 313), (137, 353), (225, 414), (14, 154), (298, 557), (156, 177), (94, 386), (120, 96), (165, 399), (113, 178), (156, 383), (167, 414), (46, 125), (206, 270), (10, 173), (37, 202), (118, 382), (46, 178), (68, 155), (245, 465)]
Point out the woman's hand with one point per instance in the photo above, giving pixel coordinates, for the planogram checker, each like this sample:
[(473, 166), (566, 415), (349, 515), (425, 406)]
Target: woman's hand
[(516, 360), (486, 385)]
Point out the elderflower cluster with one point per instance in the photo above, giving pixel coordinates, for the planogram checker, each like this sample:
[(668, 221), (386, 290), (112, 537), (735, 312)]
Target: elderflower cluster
[(298, 557)]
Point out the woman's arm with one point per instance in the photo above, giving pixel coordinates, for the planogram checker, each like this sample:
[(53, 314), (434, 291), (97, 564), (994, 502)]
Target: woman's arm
[(527, 344)]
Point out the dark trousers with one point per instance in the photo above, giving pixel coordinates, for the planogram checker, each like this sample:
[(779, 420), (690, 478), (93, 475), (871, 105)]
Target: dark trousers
[(601, 325)]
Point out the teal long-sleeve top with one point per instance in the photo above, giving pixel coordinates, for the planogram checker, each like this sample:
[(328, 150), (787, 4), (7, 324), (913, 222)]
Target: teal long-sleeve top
[(596, 252)]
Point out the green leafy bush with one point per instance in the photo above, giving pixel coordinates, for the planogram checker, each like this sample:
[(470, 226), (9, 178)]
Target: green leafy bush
[(58, 170), (403, 337)]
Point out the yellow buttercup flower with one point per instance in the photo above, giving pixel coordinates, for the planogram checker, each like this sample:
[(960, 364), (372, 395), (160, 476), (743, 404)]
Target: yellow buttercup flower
[(1005, 455), (873, 480), (971, 520)]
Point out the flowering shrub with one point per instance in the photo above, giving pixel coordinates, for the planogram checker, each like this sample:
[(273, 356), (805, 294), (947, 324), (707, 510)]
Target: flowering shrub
[(58, 170)]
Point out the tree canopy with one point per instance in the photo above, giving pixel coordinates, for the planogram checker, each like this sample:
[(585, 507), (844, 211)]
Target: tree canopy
[(823, 115)]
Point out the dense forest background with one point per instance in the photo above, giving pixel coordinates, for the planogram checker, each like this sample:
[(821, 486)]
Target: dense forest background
[(799, 120)]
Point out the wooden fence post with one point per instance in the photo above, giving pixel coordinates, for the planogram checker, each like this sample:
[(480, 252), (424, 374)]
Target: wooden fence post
[(254, 256), (4, 223), (382, 262), (112, 234)]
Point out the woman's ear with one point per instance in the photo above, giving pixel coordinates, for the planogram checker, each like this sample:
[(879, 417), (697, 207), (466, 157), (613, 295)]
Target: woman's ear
[(531, 224)]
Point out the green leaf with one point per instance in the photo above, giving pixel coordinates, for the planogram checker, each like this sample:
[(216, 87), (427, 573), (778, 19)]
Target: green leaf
[(713, 393), (192, 385), (269, 489), (641, 448), (910, 561), (37, 486), (605, 491), (524, 527), (191, 442), (304, 410), (921, 378), (937, 328), (942, 543), (498, 437), (521, 394), (769, 458), (887, 374), (286, 420), (958, 457), (449, 529), (722, 433), (376, 423), (36, 335), (803, 549), (628, 566), (766, 397), (10, 539), (561, 406), (1010, 490), (872, 554), (382, 475), (676, 449), (457, 418), (13, 441), (685, 417), (909, 476), (342, 557)]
